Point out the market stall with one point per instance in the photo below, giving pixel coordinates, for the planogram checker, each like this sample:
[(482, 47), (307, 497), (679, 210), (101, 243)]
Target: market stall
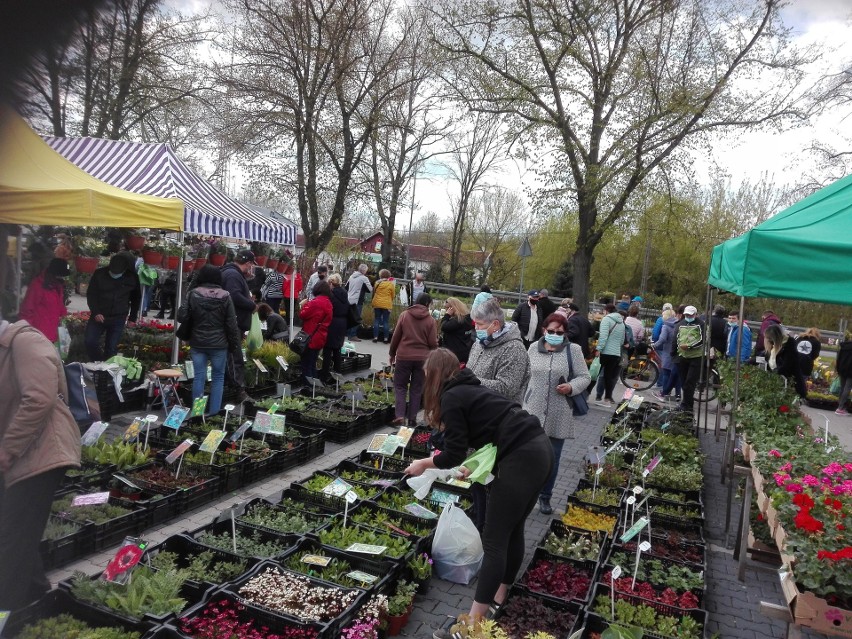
[(804, 238)]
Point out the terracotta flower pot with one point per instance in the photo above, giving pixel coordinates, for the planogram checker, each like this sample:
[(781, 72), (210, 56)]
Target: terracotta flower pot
[(396, 624), (171, 262), (260, 260), (85, 264), (217, 259), (271, 263), (188, 265), (153, 258), (199, 262), (282, 267), (134, 242)]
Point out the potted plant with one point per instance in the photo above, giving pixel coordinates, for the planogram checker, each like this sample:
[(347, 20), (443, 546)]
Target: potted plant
[(399, 607), (272, 260), (134, 240), (88, 252), (152, 254), (421, 571), (173, 253), (218, 252), (261, 251)]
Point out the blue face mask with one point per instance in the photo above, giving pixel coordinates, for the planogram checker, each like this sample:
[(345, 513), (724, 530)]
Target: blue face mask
[(688, 319), (481, 334), (114, 276), (554, 340)]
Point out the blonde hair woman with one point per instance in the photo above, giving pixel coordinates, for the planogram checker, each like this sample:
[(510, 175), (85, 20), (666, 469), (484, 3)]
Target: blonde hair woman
[(457, 328), (383, 293)]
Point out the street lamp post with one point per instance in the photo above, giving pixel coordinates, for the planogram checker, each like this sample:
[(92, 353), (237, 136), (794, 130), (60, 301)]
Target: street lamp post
[(524, 252), (411, 219)]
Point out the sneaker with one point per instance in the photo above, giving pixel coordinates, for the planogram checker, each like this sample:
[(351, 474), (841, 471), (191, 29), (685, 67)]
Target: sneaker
[(544, 506), (444, 631), (841, 411), (659, 396), (683, 409), (375, 340), (398, 421)]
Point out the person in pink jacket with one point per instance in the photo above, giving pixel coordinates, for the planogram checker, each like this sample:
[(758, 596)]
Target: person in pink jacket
[(44, 303), (414, 337)]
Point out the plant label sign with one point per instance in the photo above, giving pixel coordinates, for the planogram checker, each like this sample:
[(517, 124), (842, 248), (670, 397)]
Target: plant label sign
[(93, 434), (631, 532), (132, 432), (621, 408), (616, 572), (260, 366), (384, 483), (405, 433), (631, 500), (455, 481), (628, 395), (389, 446), (637, 490), (127, 557), (367, 549), (273, 408), (282, 362), (91, 499), (126, 481), (198, 406), (212, 441), (176, 454), (635, 402), (351, 497), (419, 511), (241, 430), (645, 546), (376, 442), (363, 577), (442, 497), (188, 370), (176, 416), (652, 465), (316, 560), (277, 425), (337, 488), (262, 422)]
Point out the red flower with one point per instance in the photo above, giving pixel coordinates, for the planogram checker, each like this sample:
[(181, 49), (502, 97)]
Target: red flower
[(843, 553), (784, 408)]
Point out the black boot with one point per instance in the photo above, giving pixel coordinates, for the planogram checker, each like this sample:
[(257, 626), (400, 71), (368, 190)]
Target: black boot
[(544, 506)]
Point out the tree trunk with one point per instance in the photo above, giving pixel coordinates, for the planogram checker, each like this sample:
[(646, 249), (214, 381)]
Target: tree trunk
[(583, 257)]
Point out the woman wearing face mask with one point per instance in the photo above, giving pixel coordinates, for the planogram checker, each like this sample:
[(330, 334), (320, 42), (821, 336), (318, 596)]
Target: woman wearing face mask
[(498, 356), (554, 379)]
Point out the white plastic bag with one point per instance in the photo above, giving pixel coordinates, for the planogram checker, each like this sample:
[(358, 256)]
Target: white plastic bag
[(457, 547), (403, 296), (64, 342), (422, 484)]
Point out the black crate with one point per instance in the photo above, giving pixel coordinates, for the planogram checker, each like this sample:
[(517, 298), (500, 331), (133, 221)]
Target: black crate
[(337, 432), (589, 567), (408, 524), (59, 602), (312, 502), (383, 462), (188, 498), (370, 492), (331, 625), (58, 552), (185, 548), (607, 567), (700, 552), (259, 617), (386, 478), (385, 571), (561, 530), (569, 609), (157, 508), (230, 474), (91, 475), (111, 532), (288, 542), (257, 469), (320, 521), (314, 440), (339, 519), (363, 361), (603, 590)]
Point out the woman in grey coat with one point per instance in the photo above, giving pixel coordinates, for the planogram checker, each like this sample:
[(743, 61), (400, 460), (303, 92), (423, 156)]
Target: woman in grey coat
[(550, 386)]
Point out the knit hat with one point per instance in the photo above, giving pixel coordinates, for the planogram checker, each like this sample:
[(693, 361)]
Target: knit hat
[(58, 268)]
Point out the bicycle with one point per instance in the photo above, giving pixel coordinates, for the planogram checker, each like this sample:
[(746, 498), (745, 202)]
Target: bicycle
[(642, 370), (709, 387)]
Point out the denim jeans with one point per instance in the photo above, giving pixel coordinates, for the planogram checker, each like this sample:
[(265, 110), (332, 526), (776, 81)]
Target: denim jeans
[(547, 489), (217, 358), (353, 332), (114, 329), (309, 363), (381, 318), (671, 379), (408, 376)]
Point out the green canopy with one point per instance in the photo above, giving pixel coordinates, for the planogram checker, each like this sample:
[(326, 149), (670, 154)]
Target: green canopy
[(803, 253)]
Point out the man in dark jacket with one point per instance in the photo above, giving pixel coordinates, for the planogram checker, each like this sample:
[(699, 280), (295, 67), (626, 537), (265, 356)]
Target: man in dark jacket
[(579, 329), (528, 318), (235, 276), (113, 293), (687, 348), (545, 304), (719, 331)]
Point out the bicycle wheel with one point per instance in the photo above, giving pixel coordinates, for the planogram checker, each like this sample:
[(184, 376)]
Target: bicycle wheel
[(709, 393), (641, 373)]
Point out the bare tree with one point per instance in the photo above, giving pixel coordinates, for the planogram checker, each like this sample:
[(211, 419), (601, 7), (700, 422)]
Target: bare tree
[(124, 68), (474, 153), (310, 79), (497, 219), (602, 92)]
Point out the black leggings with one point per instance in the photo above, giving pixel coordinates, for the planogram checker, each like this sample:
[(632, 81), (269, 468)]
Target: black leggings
[(610, 367), (511, 497)]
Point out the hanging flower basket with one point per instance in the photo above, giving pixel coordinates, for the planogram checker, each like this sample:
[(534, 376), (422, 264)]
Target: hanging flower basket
[(282, 267), (134, 242), (217, 259), (260, 260), (200, 262), (272, 263), (152, 258), (171, 262), (85, 264), (188, 266)]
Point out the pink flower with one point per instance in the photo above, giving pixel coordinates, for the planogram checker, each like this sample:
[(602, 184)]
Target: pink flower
[(848, 467), (781, 478), (793, 488), (786, 467), (774, 453), (833, 468), (810, 480)]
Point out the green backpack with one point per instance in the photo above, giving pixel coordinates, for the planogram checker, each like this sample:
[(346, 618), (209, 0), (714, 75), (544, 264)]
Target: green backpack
[(690, 339)]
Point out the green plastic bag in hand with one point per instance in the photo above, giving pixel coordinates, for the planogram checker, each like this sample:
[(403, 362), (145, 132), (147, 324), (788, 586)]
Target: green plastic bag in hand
[(595, 368), (255, 336), (481, 463)]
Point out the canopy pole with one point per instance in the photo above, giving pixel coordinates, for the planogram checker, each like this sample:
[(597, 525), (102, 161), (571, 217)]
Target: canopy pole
[(704, 375), (19, 252), (178, 301), (292, 294), (730, 440)]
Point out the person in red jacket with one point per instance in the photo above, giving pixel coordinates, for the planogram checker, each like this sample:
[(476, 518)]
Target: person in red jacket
[(44, 303), (316, 317), (414, 337)]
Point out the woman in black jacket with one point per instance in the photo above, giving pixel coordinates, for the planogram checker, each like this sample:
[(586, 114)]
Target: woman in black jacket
[(276, 326), (457, 328), (337, 329), (471, 416), (213, 332), (781, 357)]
